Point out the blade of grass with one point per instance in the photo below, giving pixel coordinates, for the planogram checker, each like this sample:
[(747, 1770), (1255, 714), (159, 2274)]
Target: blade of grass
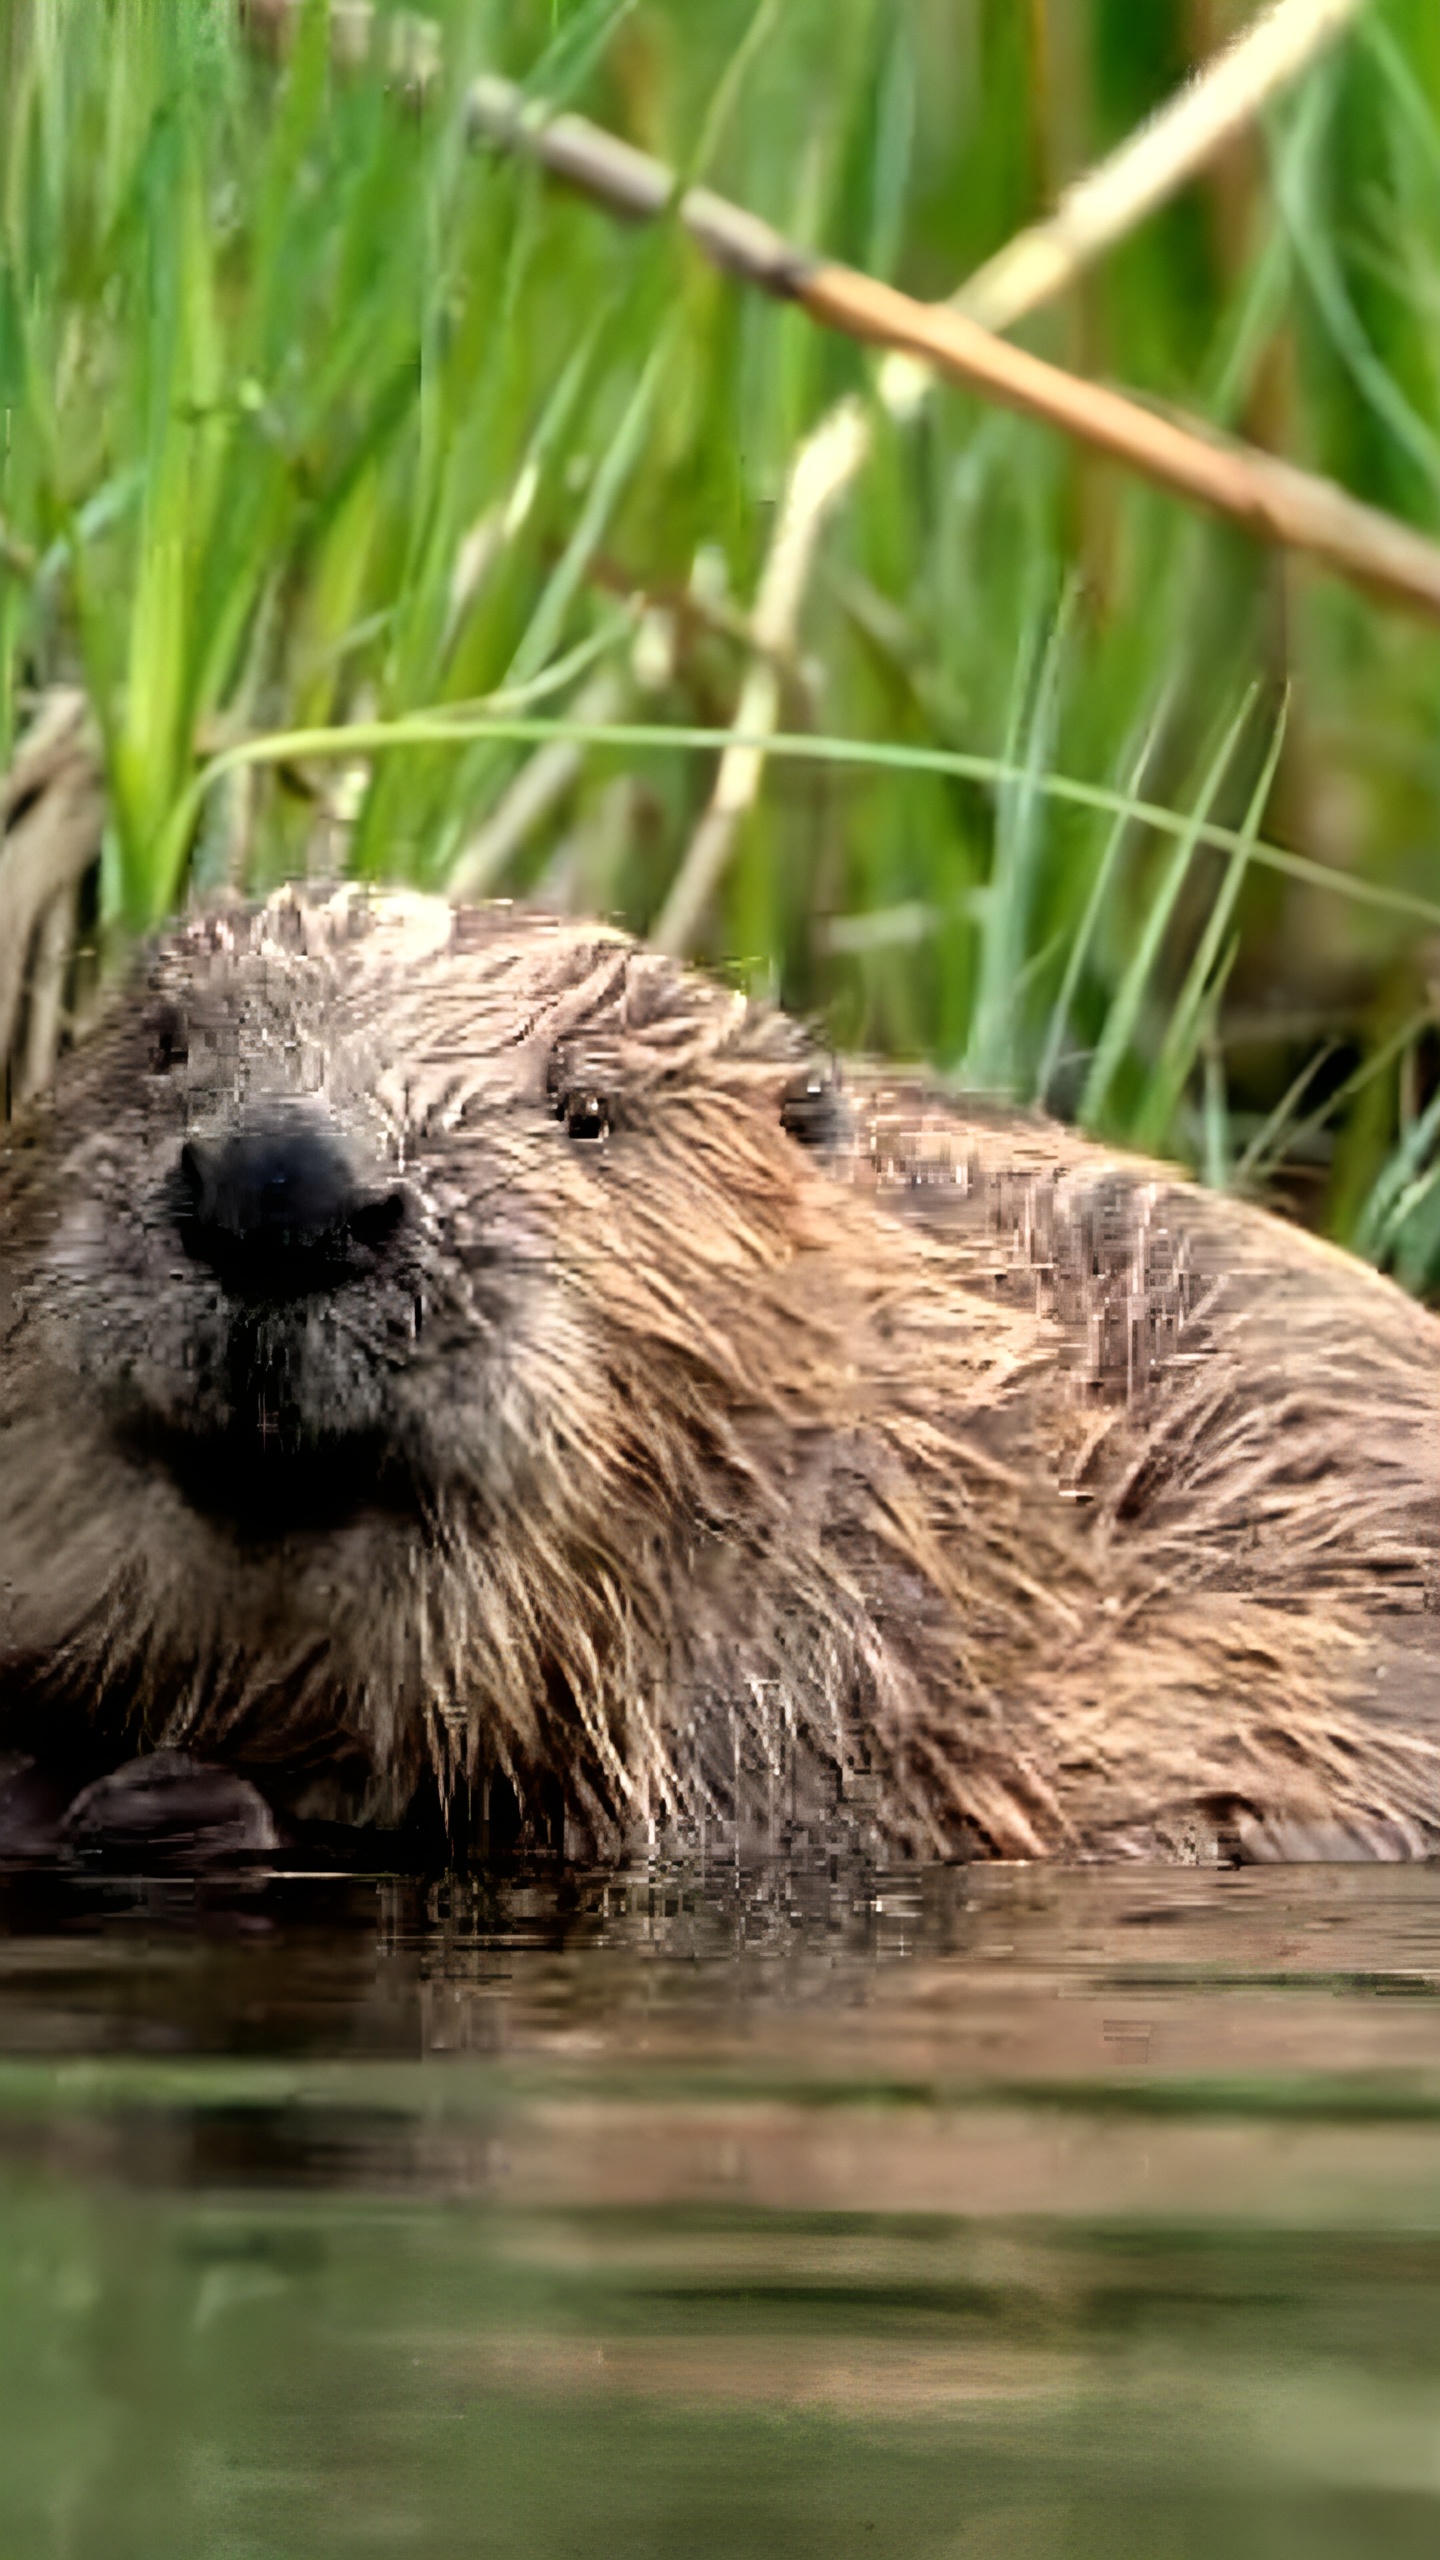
[(1279, 1127), (562, 70), (1199, 996), (437, 727), (1116, 843), (1299, 195), (568, 576), (722, 105), (993, 1056), (1217, 1154), (182, 363), (1259, 1160), (1396, 1192), (567, 579), (1123, 1016)]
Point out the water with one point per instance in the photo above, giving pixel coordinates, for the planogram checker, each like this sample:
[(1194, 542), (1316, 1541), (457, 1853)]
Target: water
[(719, 2217)]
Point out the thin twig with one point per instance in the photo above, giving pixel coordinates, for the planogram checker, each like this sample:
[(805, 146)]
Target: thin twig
[(440, 728), (823, 469)]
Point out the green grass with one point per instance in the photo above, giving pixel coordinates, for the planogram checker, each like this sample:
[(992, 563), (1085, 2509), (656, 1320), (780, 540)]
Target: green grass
[(314, 417)]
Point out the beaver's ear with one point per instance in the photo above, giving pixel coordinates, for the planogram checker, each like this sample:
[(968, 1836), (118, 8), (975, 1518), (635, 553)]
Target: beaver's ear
[(813, 1108), (168, 1035)]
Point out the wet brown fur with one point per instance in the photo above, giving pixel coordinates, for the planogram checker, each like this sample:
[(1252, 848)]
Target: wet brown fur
[(948, 1475)]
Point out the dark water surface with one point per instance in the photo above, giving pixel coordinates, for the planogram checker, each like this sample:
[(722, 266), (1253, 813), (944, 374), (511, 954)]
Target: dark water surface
[(699, 2214)]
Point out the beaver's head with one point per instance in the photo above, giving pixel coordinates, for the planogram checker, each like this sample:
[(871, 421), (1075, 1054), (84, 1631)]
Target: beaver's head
[(338, 1201), (384, 1282)]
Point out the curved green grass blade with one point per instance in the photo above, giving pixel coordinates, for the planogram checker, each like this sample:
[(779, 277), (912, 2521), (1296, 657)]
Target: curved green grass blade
[(437, 728), (1199, 997), (1122, 1020)]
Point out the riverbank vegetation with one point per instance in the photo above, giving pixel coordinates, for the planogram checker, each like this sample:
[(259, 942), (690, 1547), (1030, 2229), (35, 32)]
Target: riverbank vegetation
[(320, 413)]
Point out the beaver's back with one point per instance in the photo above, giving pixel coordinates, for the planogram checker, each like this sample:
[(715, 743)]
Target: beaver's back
[(1249, 1424)]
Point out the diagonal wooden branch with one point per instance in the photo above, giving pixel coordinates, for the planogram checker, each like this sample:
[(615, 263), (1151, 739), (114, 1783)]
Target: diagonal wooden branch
[(1277, 501)]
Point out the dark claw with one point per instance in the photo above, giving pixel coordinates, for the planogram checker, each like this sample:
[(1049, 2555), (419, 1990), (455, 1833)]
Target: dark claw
[(168, 1811)]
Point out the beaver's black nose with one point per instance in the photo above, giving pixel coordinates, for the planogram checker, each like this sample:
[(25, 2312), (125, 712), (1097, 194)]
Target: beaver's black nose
[(276, 1210)]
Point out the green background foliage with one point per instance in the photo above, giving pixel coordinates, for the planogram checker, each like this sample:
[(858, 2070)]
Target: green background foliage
[(315, 414)]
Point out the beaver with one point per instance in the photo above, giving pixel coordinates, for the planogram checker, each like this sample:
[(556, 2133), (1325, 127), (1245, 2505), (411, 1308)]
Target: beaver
[(461, 1355)]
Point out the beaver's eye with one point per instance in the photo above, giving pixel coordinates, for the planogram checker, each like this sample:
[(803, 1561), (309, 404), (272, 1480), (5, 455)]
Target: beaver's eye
[(169, 1040), (578, 1097), (813, 1110), (586, 1114)]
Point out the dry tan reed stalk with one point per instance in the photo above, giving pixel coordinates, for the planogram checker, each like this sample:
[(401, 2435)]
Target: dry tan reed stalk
[(823, 469), (1155, 161), (538, 787), (52, 817)]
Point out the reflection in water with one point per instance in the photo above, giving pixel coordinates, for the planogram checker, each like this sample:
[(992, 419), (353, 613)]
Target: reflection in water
[(1012, 2213)]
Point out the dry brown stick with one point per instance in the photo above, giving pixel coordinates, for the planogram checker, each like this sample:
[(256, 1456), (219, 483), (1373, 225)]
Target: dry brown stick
[(52, 817), (53, 942), (1276, 501)]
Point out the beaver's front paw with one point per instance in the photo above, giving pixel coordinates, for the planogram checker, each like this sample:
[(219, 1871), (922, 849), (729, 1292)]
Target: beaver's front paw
[(167, 1811)]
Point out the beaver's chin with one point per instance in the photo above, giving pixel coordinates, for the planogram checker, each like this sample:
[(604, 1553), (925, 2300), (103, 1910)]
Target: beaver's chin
[(277, 1480)]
